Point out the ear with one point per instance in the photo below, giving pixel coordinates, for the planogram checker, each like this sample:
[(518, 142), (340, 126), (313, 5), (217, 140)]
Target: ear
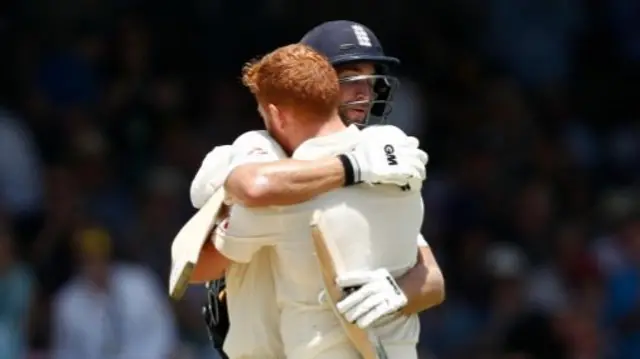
[(277, 116)]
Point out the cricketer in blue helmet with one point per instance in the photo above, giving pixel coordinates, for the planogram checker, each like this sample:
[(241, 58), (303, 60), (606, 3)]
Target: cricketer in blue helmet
[(367, 88), (364, 69)]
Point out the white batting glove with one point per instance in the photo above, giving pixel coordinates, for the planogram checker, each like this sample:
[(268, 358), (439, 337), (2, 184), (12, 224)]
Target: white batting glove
[(378, 297), (390, 161), (211, 175)]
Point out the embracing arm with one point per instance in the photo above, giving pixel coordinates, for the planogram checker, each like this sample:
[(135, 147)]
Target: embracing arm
[(423, 284), (260, 174), (260, 184), (283, 182), (211, 265), (379, 294), (267, 179)]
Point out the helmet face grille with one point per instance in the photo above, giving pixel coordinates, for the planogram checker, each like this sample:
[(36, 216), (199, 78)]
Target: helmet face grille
[(380, 105)]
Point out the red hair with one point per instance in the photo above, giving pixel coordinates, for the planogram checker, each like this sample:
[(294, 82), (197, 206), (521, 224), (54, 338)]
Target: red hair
[(295, 76)]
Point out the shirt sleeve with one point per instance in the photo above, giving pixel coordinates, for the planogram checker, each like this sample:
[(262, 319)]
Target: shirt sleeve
[(250, 147), (245, 231), (422, 242), (254, 147), (210, 176)]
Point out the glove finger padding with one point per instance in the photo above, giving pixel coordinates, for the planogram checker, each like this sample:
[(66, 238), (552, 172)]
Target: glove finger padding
[(413, 152), (372, 316), (413, 142), (362, 308), (423, 156), (419, 168), (354, 298)]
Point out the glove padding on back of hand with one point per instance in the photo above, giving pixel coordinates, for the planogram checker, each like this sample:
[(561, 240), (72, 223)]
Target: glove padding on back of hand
[(211, 175), (387, 155), (377, 297)]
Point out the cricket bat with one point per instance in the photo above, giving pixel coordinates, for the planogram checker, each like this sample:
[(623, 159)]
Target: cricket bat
[(187, 244), (329, 267)]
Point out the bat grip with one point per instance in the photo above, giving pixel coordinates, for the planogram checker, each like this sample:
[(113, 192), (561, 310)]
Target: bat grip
[(350, 289)]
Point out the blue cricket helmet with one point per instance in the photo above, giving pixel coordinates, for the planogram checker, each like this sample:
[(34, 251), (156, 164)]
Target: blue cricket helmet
[(344, 42)]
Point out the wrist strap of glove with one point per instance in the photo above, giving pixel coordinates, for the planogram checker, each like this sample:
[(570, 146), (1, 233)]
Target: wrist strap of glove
[(351, 170)]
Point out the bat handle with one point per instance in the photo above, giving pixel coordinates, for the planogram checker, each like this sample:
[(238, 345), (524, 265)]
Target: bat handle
[(350, 289), (380, 351)]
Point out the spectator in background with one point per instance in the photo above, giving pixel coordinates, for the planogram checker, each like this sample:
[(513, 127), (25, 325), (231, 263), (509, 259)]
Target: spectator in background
[(524, 137), (110, 309), (104, 196), (534, 39), (20, 172), (51, 253), (608, 249), (551, 284), (515, 329), (409, 108), (625, 17), (68, 76), (506, 274), (623, 292), (162, 214), (16, 294)]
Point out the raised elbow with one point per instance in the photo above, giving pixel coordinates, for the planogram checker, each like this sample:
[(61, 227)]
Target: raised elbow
[(255, 193), (249, 187), (258, 195)]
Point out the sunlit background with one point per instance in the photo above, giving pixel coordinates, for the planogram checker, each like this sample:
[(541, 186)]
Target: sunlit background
[(529, 109)]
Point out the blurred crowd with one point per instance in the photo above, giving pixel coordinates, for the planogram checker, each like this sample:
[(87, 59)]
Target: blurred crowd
[(529, 109)]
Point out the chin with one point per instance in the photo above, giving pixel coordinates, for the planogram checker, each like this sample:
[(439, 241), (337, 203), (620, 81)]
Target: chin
[(358, 120), (357, 117)]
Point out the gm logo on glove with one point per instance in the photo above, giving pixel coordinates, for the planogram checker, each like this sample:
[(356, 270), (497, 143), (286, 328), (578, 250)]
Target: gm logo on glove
[(391, 157)]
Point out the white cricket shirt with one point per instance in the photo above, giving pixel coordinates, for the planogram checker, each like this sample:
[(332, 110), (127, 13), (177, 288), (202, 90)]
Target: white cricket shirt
[(254, 330), (388, 218)]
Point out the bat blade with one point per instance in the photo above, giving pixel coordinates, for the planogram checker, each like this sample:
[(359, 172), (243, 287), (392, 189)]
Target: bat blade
[(359, 337), (187, 244)]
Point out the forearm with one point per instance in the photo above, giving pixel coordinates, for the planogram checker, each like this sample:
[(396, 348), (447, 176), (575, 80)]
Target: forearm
[(423, 284), (211, 265), (283, 182)]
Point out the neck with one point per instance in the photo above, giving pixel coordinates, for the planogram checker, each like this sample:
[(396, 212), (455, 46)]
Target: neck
[(329, 127), (324, 128)]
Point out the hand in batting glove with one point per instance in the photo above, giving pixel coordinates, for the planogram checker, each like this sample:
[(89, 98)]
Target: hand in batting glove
[(378, 296), (389, 157)]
